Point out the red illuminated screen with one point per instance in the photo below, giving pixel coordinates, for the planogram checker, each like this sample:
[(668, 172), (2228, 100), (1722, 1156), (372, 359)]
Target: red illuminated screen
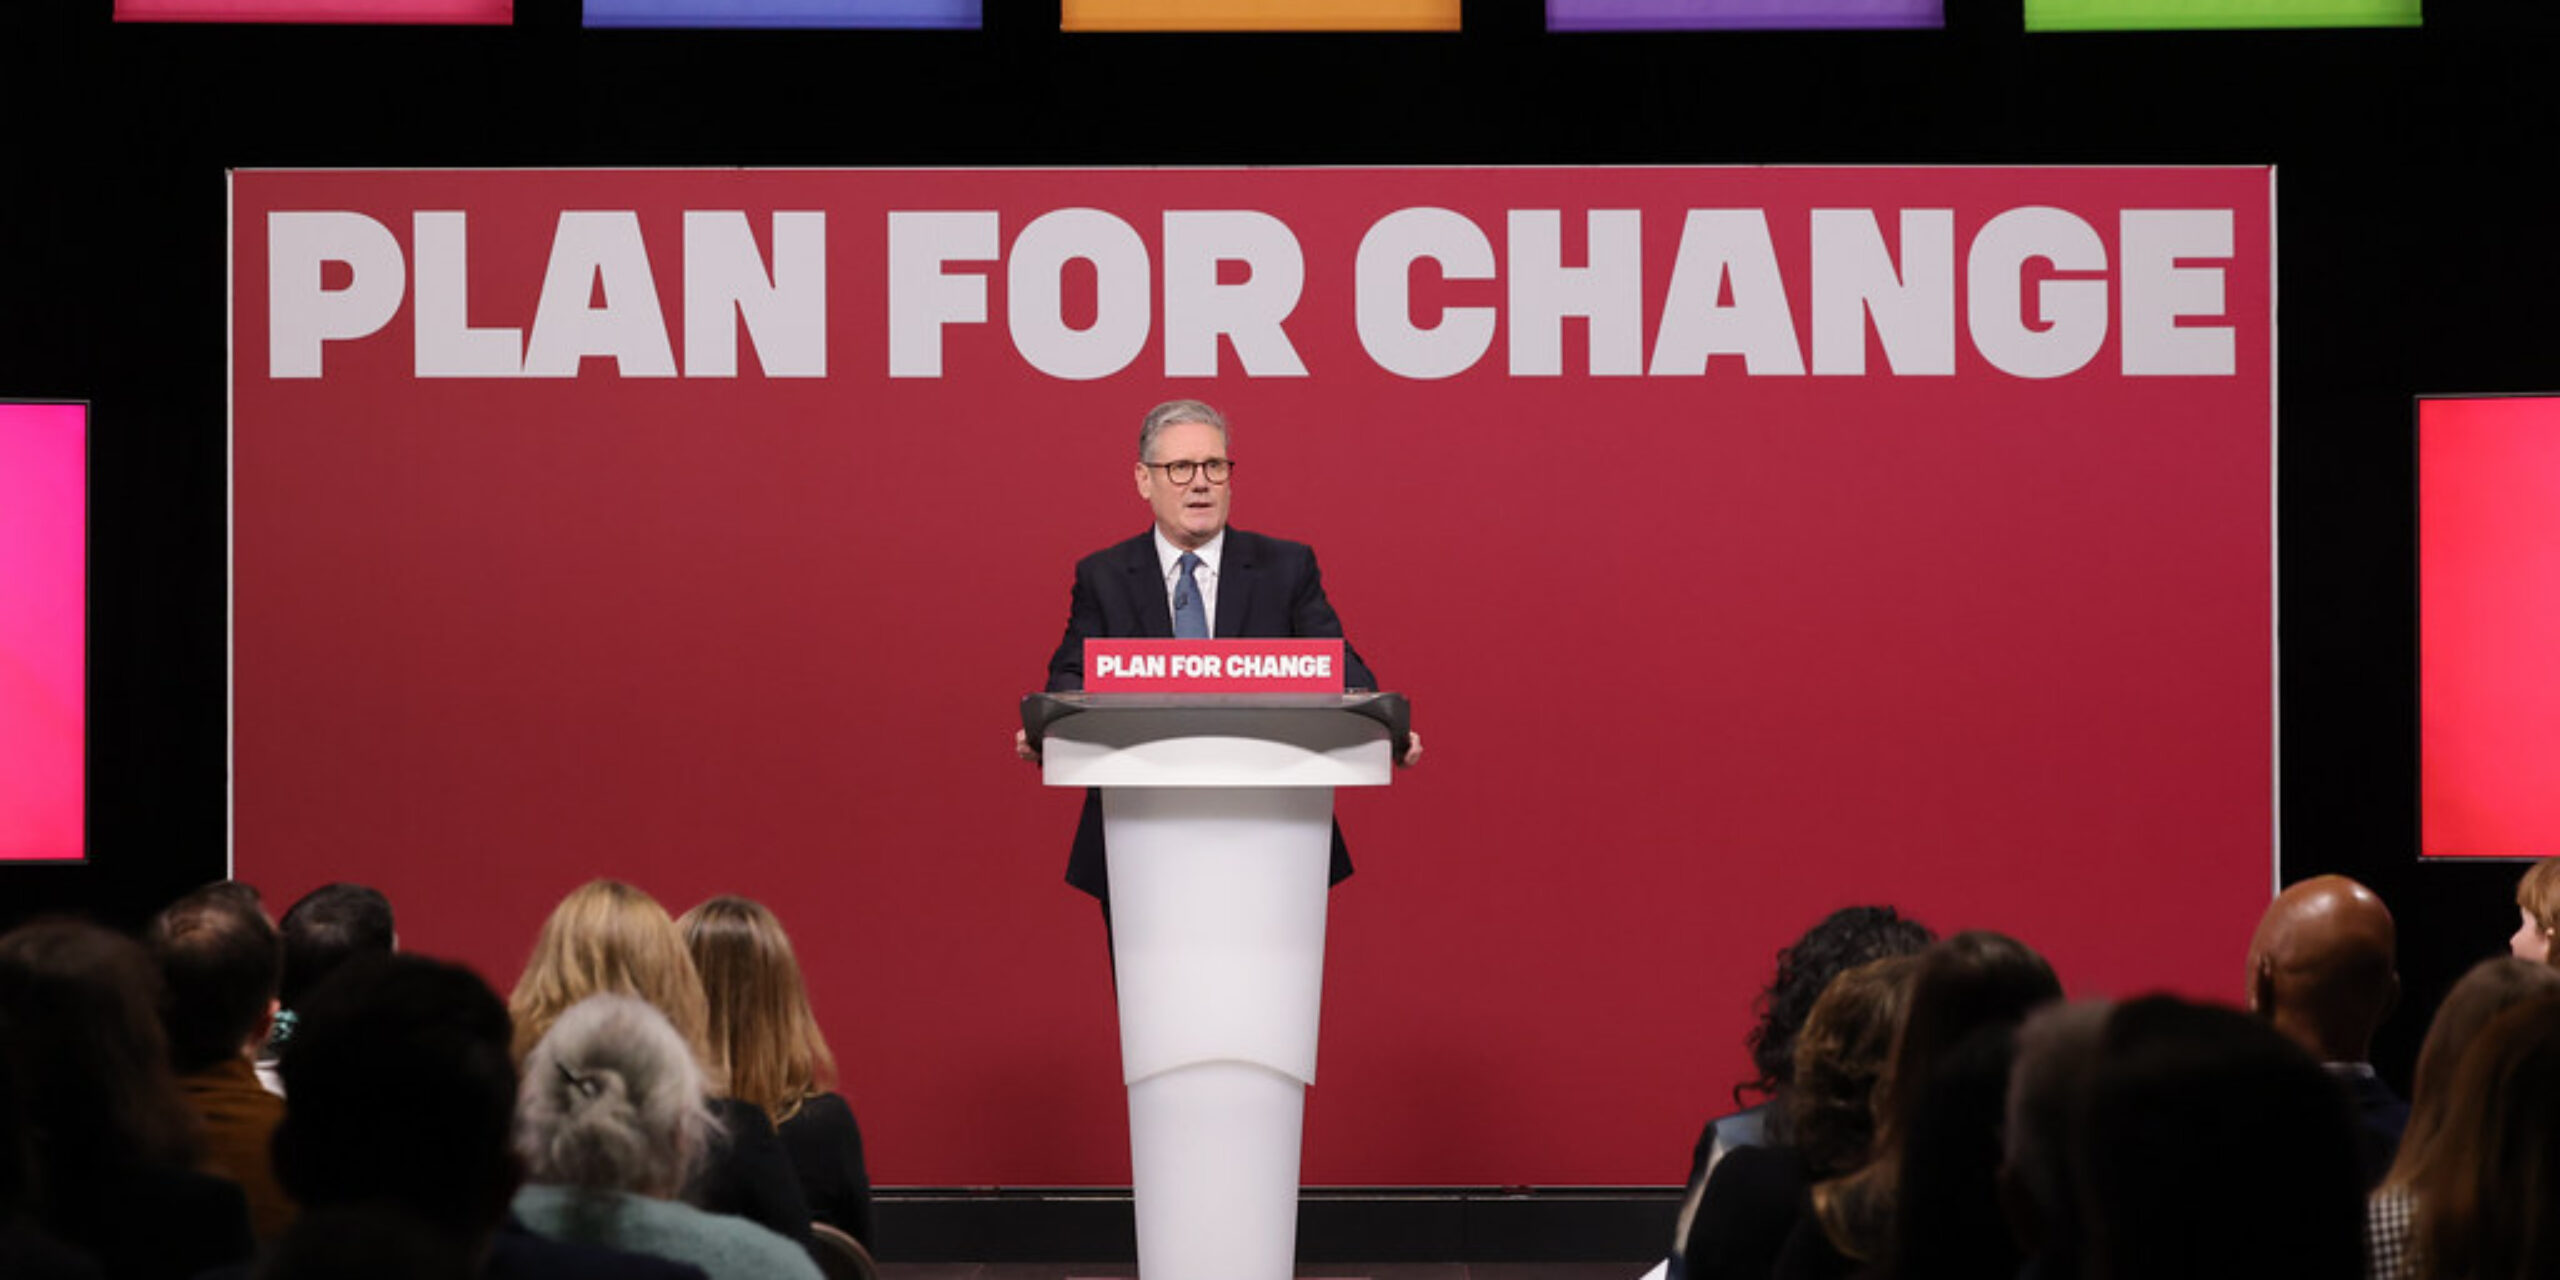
[(727, 577), (2488, 626), (43, 580)]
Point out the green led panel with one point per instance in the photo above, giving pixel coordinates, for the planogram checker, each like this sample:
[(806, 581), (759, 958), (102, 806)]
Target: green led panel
[(2192, 15)]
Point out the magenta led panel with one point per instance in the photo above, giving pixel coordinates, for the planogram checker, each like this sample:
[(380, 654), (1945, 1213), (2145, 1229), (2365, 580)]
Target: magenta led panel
[(390, 12), (43, 629), (1742, 15)]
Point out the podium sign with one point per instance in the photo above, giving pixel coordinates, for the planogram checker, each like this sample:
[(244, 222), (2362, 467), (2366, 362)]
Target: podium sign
[(1213, 666)]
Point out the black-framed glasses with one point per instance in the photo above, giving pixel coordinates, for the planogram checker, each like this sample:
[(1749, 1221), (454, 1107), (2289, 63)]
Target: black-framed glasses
[(1217, 469)]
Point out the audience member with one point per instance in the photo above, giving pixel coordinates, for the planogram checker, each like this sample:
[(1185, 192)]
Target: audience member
[(322, 930), (611, 1121), (2057, 1049), (364, 1242), (1841, 1058), (1735, 1219), (2538, 902), (80, 1024), (26, 1251), (1845, 939), (2489, 1193), (2490, 988), (1947, 1214), (765, 1041), (607, 936), (221, 962), (2211, 1146), (1965, 983), (2322, 970), (403, 1094)]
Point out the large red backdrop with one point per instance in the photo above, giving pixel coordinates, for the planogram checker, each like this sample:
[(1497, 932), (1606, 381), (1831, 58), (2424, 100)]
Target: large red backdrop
[(1751, 543)]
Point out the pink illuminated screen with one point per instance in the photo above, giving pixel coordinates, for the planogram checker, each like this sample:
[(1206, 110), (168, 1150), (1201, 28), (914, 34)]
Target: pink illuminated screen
[(2489, 626), (43, 583), (472, 12)]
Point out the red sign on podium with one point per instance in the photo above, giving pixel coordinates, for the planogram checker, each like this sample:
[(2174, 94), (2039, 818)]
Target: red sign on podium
[(1213, 666)]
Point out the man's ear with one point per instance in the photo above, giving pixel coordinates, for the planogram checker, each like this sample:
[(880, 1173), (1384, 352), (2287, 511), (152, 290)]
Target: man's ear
[(2262, 987), (266, 1026)]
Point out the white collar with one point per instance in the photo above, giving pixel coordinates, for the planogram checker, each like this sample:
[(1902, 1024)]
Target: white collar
[(1169, 556)]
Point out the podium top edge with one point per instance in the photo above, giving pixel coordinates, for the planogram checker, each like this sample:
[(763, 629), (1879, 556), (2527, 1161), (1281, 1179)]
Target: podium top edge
[(1041, 710)]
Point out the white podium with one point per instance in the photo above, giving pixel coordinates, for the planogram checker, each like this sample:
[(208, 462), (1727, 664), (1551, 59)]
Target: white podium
[(1218, 814)]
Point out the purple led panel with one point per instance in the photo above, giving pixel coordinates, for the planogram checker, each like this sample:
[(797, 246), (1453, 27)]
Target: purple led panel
[(964, 15)]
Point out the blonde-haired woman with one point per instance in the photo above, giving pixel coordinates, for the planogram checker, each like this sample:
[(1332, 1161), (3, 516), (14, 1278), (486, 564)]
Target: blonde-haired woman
[(608, 937), (767, 1042)]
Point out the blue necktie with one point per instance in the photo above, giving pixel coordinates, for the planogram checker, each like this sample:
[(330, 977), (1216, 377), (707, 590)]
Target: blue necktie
[(1190, 618)]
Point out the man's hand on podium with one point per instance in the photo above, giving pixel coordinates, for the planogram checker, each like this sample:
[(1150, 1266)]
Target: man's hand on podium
[(1412, 749), (1022, 748)]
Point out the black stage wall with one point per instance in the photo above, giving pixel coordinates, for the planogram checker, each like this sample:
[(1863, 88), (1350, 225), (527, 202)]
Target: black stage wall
[(2413, 258)]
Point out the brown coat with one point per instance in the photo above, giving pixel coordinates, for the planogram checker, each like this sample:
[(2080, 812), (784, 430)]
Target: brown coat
[(240, 1119)]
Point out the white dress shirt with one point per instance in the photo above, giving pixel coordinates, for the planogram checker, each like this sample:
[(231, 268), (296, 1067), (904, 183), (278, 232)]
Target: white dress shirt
[(1206, 576)]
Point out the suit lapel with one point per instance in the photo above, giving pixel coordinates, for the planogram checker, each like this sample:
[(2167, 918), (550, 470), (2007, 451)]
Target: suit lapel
[(1236, 576), (1146, 582)]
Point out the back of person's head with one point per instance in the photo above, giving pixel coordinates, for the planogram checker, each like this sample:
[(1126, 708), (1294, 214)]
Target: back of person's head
[(2489, 1193), (2538, 894), (365, 1242), (2210, 1145), (1843, 940), (764, 1039), (607, 936), (1969, 981), (1973, 980), (2323, 966), (325, 928), (2057, 1048), (400, 1089), (2489, 989), (612, 1100), (17, 1141), (1947, 1218), (1840, 1054), (221, 961), (80, 1024)]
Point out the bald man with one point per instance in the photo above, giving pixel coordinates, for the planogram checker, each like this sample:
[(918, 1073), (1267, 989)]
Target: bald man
[(2322, 970)]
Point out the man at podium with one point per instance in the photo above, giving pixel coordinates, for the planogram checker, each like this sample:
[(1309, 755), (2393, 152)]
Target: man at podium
[(1191, 576)]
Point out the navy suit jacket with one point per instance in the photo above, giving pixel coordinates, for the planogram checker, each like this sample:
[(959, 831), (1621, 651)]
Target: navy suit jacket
[(1268, 589), (2381, 1115)]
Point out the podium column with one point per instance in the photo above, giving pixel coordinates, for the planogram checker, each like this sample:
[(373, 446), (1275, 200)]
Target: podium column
[(1217, 813)]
